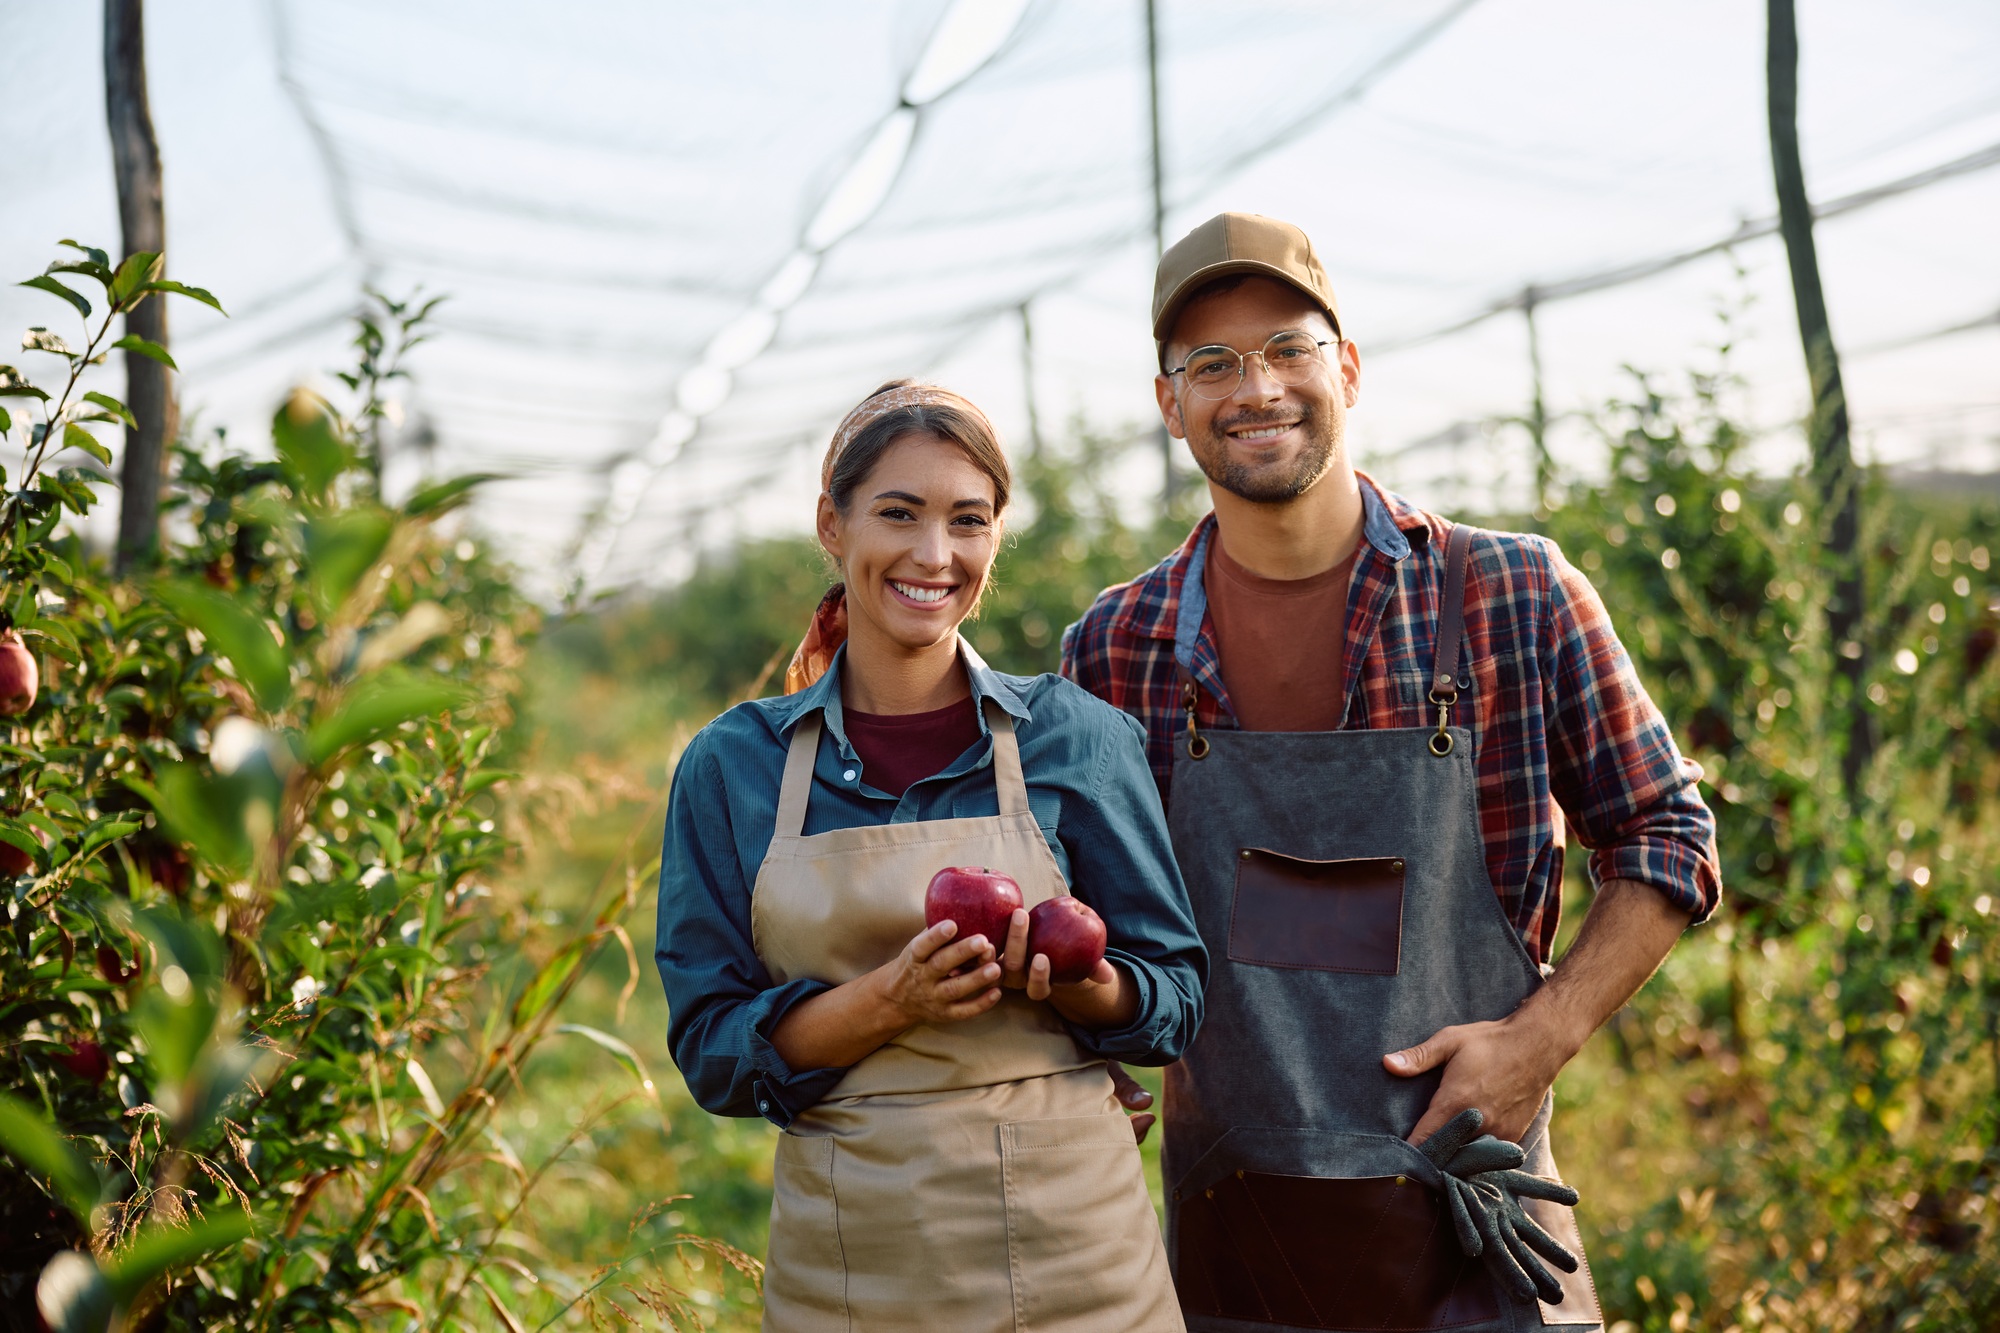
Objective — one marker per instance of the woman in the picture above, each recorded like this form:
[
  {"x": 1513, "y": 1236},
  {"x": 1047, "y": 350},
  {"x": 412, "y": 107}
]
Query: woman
[{"x": 952, "y": 1155}]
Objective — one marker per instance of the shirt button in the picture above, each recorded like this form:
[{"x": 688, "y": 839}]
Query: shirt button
[
  {"x": 763, "y": 1108},
  {"x": 848, "y": 776}
]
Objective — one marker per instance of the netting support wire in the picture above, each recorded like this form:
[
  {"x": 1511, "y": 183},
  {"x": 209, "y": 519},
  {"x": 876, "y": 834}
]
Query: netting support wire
[
  {"x": 1168, "y": 479},
  {"x": 1639, "y": 270},
  {"x": 340, "y": 187},
  {"x": 1538, "y": 416},
  {"x": 1028, "y": 381}
]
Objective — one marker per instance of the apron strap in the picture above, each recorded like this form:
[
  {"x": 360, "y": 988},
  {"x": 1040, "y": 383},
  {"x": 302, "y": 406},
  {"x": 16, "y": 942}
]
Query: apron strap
[
  {"x": 796, "y": 789},
  {"x": 1451, "y": 621},
  {"x": 1007, "y": 779}
]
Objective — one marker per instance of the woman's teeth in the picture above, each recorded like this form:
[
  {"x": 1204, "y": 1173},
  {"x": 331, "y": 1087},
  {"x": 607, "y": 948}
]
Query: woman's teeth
[{"x": 917, "y": 594}]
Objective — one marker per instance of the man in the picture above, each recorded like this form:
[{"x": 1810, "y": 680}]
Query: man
[{"x": 1372, "y": 727}]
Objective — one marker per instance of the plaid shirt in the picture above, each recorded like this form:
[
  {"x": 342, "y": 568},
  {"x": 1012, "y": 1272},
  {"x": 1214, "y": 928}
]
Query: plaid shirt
[{"x": 1562, "y": 729}]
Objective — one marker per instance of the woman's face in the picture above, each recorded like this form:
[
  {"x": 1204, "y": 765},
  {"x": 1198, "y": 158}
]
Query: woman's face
[{"x": 916, "y": 543}]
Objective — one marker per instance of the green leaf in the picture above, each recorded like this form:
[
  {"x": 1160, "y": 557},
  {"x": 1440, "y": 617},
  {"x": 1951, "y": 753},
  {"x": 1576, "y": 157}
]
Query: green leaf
[
  {"x": 378, "y": 705},
  {"x": 37, "y": 1145},
  {"x": 6, "y": 421},
  {"x": 341, "y": 547},
  {"x": 549, "y": 981},
  {"x": 447, "y": 495},
  {"x": 113, "y": 406},
  {"x": 12, "y": 385},
  {"x": 133, "y": 275},
  {"x": 235, "y": 634},
  {"x": 623, "y": 1051},
  {"x": 132, "y": 342},
  {"x": 39, "y": 339},
  {"x": 176, "y": 1010},
  {"x": 178, "y": 289},
  {"x": 313, "y": 454},
  {"x": 102, "y": 834},
  {"x": 487, "y": 777},
  {"x": 76, "y": 437},
  {"x": 97, "y": 256},
  {"x": 95, "y": 271},
  {"x": 44, "y": 282},
  {"x": 164, "y": 1247}
]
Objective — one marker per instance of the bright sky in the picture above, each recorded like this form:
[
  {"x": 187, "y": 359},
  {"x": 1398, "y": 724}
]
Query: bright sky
[{"x": 681, "y": 239}]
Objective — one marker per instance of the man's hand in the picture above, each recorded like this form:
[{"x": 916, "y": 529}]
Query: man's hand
[
  {"x": 1506, "y": 1068},
  {"x": 1503, "y": 1070},
  {"x": 1134, "y": 1098}
]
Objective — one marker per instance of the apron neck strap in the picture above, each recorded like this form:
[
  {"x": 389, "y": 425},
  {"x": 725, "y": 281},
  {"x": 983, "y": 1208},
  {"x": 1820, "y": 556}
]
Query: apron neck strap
[
  {"x": 1012, "y": 787},
  {"x": 796, "y": 789},
  {"x": 1451, "y": 620}
]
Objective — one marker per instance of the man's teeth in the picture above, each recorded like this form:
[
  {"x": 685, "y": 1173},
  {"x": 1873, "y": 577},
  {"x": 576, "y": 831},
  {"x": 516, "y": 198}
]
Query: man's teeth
[
  {"x": 1261, "y": 433},
  {"x": 920, "y": 594}
]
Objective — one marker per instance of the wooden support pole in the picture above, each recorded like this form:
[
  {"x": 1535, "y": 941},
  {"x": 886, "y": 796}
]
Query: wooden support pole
[
  {"x": 1028, "y": 381},
  {"x": 149, "y": 390},
  {"x": 1170, "y": 480},
  {"x": 1538, "y": 415},
  {"x": 1833, "y": 467}
]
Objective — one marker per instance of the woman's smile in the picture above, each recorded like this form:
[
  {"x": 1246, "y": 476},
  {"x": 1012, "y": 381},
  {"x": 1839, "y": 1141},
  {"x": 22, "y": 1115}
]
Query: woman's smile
[{"x": 922, "y": 594}]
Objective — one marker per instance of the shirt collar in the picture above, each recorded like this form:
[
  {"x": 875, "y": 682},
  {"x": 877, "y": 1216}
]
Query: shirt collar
[
  {"x": 1386, "y": 519},
  {"x": 824, "y": 694}
]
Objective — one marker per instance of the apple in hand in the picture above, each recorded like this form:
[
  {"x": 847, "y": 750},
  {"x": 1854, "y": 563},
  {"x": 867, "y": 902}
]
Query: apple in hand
[
  {"x": 981, "y": 901},
  {"x": 1070, "y": 934}
]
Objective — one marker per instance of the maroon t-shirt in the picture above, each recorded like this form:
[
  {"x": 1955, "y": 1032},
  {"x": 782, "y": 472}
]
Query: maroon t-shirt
[
  {"x": 898, "y": 749},
  {"x": 1280, "y": 641}
]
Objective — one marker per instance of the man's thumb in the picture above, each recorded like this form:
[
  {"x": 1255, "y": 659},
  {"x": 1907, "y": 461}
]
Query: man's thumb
[{"x": 1424, "y": 1055}]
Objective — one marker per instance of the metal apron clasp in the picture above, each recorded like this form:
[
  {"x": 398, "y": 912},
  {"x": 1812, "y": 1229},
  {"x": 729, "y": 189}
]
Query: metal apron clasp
[
  {"x": 1441, "y": 740},
  {"x": 1197, "y": 744}
]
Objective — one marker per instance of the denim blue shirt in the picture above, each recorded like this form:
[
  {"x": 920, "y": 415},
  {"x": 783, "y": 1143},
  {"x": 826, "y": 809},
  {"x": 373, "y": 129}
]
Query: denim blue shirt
[{"x": 1089, "y": 789}]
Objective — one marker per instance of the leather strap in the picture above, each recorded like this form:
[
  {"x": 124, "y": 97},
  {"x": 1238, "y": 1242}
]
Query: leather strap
[
  {"x": 796, "y": 789},
  {"x": 1451, "y": 621}
]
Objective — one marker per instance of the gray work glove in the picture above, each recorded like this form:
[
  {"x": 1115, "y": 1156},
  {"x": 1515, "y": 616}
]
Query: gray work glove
[{"x": 1484, "y": 1186}]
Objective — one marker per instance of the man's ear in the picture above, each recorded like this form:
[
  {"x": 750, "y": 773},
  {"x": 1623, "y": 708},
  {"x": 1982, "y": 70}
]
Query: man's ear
[
  {"x": 1170, "y": 406},
  {"x": 1350, "y": 372},
  {"x": 827, "y": 526}
]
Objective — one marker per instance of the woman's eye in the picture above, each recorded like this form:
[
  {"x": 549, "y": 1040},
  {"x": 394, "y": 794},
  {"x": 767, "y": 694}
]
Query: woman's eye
[
  {"x": 970, "y": 520},
  {"x": 897, "y": 512}
]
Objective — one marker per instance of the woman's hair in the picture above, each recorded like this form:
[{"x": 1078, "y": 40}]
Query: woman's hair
[{"x": 906, "y": 407}]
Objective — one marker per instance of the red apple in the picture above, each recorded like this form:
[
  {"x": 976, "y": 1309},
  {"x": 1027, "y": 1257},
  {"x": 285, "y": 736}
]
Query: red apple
[
  {"x": 20, "y": 678},
  {"x": 14, "y": 861},
  {"x": 981, "y": 901},
  {"x": 87, "y": 1060},
  {"x": 1070, "y": 934}
]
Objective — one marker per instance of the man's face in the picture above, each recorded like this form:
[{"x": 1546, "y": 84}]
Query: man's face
[{"x": 1267, "y": 442}]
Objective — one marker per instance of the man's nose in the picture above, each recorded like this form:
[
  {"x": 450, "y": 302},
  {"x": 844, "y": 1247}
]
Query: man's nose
[{"x": 1258, "y": 385}]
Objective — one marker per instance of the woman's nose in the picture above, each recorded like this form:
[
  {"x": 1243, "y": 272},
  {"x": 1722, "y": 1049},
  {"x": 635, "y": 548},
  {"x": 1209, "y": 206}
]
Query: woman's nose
[{"x": 933, "y": 547}]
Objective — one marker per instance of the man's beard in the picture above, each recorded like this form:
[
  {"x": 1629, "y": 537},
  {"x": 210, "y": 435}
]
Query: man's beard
[{"x": 1269, "y": 483}]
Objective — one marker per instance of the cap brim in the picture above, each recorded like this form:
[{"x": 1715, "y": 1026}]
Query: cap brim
[{"x": 1226, "y": 268}]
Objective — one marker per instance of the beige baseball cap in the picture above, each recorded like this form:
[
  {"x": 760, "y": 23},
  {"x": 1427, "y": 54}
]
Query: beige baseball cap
[{"x": 1231, "y": 243}]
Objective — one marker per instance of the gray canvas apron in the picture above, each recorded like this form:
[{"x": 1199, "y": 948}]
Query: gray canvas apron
[{"x": 1339, "y": 881}]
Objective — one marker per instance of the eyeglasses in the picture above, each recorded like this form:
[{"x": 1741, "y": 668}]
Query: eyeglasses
[{"x": 1290, "y": 358}]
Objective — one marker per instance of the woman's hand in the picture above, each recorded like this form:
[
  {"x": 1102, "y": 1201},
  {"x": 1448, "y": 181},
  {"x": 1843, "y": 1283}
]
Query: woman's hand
[{"x": 938, "y": 980}]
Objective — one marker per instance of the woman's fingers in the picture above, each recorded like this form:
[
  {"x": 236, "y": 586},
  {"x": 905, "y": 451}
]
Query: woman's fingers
[
  {"x": 929, "y": 941},
  {"x": 1014, "y": 955},
  {"x": 955, "y": 956},
  {"x": 976, "y": 979},
  {"x": 1038, "y": 977},
  {"x": 973, "y": 1007}
]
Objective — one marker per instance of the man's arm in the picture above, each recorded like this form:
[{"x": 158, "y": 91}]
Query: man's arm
[{"x": 1506, "y": 1068}]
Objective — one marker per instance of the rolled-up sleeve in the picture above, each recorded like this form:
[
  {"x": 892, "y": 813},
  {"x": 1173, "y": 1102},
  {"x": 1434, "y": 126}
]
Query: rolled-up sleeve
[
  {"x": 1614, "y": 767},
  {"x": 1122, "y": 864},
  {"x": 722, "y": 1004}
]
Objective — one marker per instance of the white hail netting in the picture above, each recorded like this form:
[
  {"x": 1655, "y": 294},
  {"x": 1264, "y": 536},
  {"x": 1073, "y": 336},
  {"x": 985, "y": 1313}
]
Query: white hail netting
[{"x": 680, "y": 240}]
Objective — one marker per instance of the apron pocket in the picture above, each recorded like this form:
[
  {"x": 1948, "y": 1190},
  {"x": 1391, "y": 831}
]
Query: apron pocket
[
  {"x": 1330, "y": 916},
  {"x": 805, "y": 1273},
  {"x": 1374, "y": 1252},
  {"x": 1083, "y": 1245}
]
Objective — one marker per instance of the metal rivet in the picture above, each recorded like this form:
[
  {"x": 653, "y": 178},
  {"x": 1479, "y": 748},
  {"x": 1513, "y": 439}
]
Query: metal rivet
[
  {"x": 1246, "y": 853},
  {"x": 1396, "y": 866},
  {"x": 1177, "y": 1196},
  {"x": 1402, "y": 1180},
  {"x": 1208, "y": 1194},
  {"x": 1239, "y": 1175}
]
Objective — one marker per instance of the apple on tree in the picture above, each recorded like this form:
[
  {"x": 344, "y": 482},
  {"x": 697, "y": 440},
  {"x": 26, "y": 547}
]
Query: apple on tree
[{"x": 20, "y": 678}]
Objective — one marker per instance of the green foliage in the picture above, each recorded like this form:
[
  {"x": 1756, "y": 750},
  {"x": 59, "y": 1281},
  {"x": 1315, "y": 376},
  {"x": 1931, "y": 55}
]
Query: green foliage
[
  {"x": 1822, "y": 1062},
  {"x": 259, "y": 999}
]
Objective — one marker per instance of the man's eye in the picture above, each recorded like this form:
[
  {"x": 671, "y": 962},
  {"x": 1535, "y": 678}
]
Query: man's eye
[{"x": 1209, "y": 368}]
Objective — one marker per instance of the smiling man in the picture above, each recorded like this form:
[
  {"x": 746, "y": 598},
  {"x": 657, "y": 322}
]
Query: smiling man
[{"x": 1373, "y": 727}]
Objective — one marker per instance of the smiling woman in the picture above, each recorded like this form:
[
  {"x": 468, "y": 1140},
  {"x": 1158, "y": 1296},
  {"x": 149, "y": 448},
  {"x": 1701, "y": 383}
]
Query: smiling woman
[{"x": 953, "y": 1153}]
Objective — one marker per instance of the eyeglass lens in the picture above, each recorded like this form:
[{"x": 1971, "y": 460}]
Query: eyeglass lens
[{"x": 1289, "y": 358}]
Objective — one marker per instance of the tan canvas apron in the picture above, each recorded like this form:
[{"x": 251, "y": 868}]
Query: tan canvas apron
[{"x": 971, "y": 1176}]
